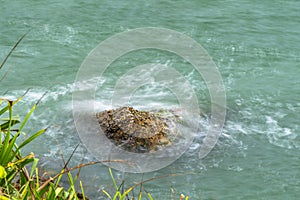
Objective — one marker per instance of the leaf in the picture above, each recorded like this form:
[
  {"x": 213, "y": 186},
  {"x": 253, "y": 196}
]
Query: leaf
[
  {"x": 113, "y": 179},
  {"x": 3, "y": 198},
  {"x": 118, "y": 194},
  {"x": 127, "y": 192},
  {"x": 58, "y": 191},
  {"x": 13, "y": 118},
  {"x": 12, "y": 49},
  {"x": 27, "y": 118},
  {"x": 23, "y": 161},
  {"x": 149, "y": 195},
  {"x": 34, "y": 167},
  {"x": 3, "y": 110},
  {"x": 106, "y": 193},
  {"x": 82, "y": 190},
  {"x": 3, "y": 173},
  {"x": 5, "y": 125},
  {"x": 7, "y": 144},
  {"x": 31, "y": 138}
]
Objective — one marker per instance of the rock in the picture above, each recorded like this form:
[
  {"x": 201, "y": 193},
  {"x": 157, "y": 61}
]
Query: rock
[{"x": 133, "y": 130}]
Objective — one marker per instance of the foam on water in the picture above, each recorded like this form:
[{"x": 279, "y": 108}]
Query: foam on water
[{"x": 264, "y": 124}]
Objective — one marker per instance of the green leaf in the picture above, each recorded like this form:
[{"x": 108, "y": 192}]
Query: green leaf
[
  {"x": 149, "y": 195},
  {"x": 82, "y": 190},
  {"x": 12, "y": 49},
  {"x": 59, "y": 178},
  {"x": 127, "y": 192},
  {"x": 113, "y": 179},
  {"x": 31, "y": 138},
  {"x": 10, "y": 103},
  {"x": 3, "y": 198},
  {"x": 33, "y": 167},
  {"x": 3, "y": 172},
  {"x": 27, "y": 118},
  {"x": 58, "y": 191},
  {"x": 5, "y": 125},
  {"x": 3, "y": 110},
  {"x": 8, "y": 143},
  {"x": 9, "y": 154},
  {"x": 22, "y": 162},
  {"x": 118, "y": 194},
  {"x": 140, "y": 196},
  {"x": 106, "y": 193},
  {"x": 51, "y": 192}
]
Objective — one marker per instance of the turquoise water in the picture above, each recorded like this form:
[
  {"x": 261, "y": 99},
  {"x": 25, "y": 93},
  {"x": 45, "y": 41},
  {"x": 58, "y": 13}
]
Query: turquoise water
[{"x": 255, "y": 45}]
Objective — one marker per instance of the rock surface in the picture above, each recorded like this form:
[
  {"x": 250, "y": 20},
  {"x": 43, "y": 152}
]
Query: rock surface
[{"x": 133, "y": 130}]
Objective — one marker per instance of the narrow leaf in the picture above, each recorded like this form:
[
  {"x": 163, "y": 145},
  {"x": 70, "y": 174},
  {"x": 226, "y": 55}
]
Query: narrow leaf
[
  {"x": 31, "y": 138},
  {"x": 12, "y": 49},
  {"x": 82, "y": 190},
  {"x": 106, "y": 193},
  {"x": 113, "y": 179}
]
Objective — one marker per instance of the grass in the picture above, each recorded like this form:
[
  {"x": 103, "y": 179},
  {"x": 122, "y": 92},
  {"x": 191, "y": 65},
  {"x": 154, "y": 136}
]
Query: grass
[
  {"x": 20, "y": 177},
  {"x": 16, "y": 181}
]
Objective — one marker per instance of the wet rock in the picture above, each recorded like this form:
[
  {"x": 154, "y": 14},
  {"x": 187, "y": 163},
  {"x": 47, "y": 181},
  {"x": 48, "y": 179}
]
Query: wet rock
[{"x": 133, "y": 130}]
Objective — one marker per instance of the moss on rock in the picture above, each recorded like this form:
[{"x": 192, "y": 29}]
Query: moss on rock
[{"x": 133, "y": 130}]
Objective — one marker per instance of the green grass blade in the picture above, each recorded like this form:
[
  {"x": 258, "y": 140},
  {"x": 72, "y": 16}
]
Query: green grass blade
[
  {"x": 7, "y": 144},
  {"x": 4, "y": 198},
  {"x": 127, "y": 192},
  {"x": 33, "y": 167},
  {"x": 36, "y": 195},
  {"x": 149, "y": 195},
  {"x": 106, "y": 193},
  {"x": 59, "y": 178},
  {"x": 113, "y": 179},
  {"x": 10, "y": 154},
  {"x": 16, "y": 118},
  {"x": 31, "y": 138},
  {"x": 58, "y": 191},
  {"x": 5, "y": 125},
  {"x": 82, "y": 190},
  {"x": 3, "y": 172},
  {"x": 3, "y": 110},
  {"x": 27, "y": 118},
  {"x": 140, "y": 196},
  {"x": 51, "y": 192},
  {"x": 72, "y": 190},
  {"x": 12, "y": 49},
  {"x": 37, "y": 184},
  {"x": 71, "y": 180},
  {"x": 44, "y": 188},
  {"x": 118, "y": 194},
  {"x": 10, "y": 115},
  {"x": 25, "y": 190}
]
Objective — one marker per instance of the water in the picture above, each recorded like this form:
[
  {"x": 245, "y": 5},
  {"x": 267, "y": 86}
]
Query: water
[{"x": 255, "y": 45}]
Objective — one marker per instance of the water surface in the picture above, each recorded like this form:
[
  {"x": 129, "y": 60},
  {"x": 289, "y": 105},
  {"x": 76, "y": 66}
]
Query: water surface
[{"x": 255, "y": 45}]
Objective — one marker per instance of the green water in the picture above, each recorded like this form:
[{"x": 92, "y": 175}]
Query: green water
[{"x": 255, "y": 45}]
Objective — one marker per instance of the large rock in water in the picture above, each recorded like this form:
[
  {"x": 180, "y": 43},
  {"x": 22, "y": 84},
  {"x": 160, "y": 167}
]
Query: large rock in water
[{"x": 133, "y": 130}]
